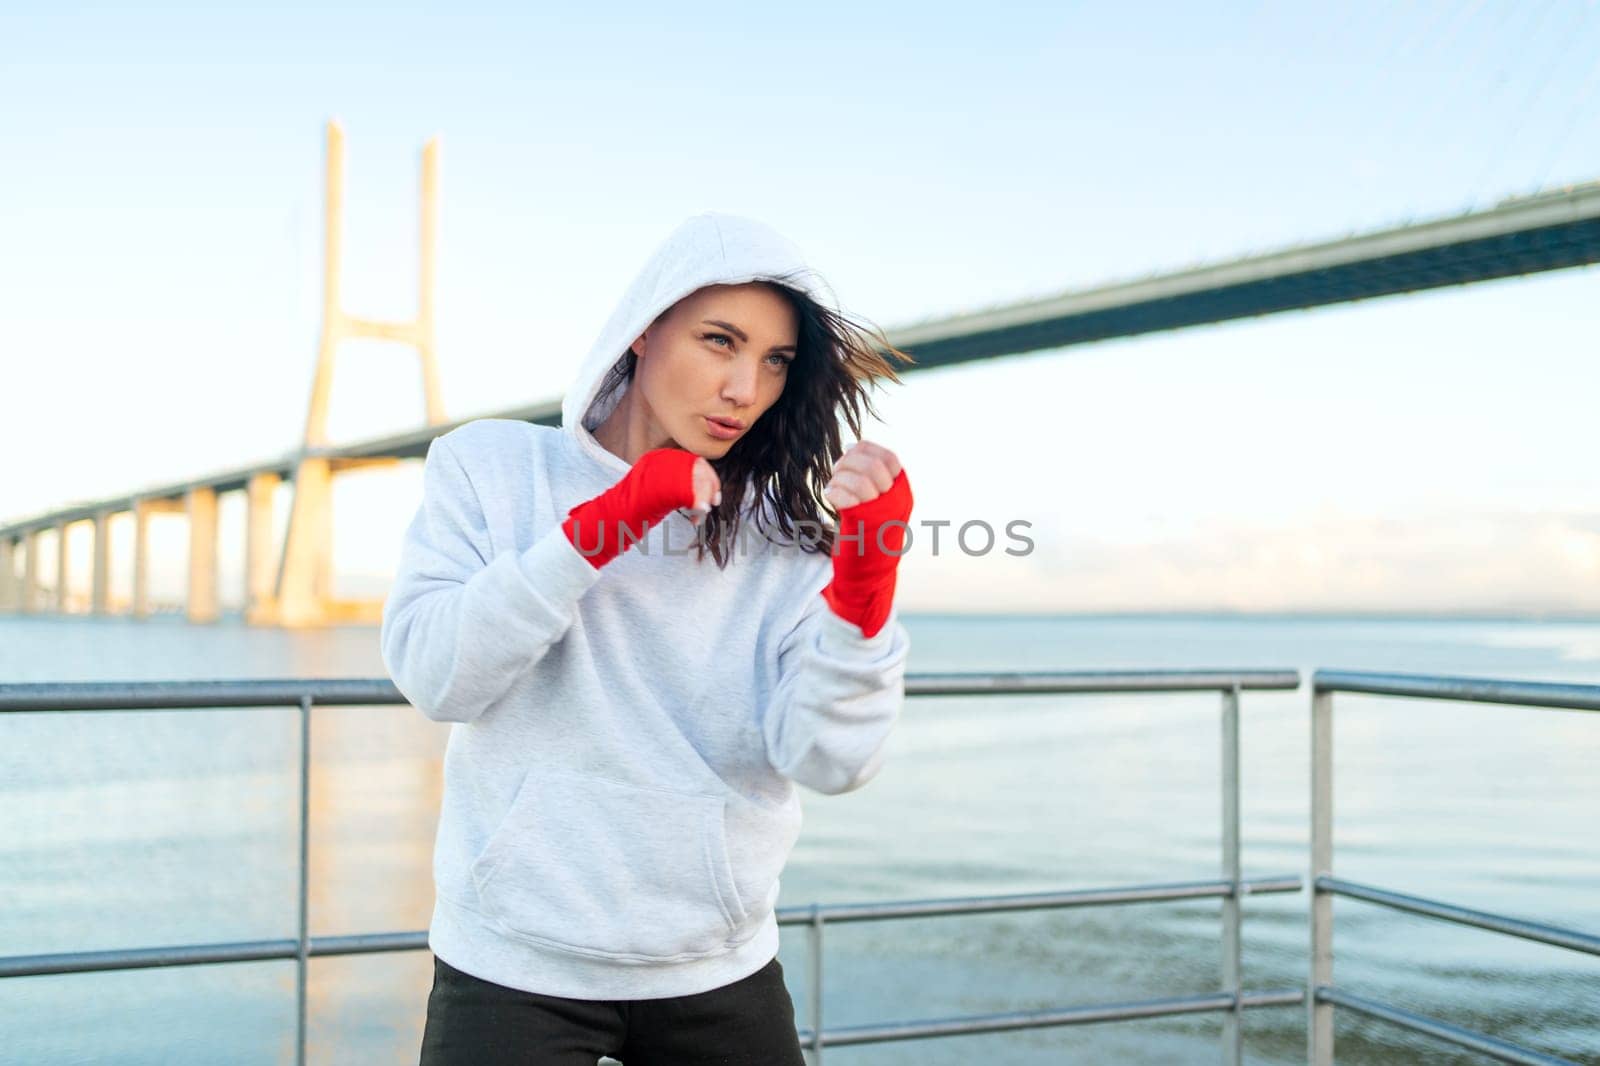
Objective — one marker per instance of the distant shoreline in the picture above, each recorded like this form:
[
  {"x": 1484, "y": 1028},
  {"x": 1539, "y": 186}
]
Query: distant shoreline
[{"x": 1294, "y": 615}]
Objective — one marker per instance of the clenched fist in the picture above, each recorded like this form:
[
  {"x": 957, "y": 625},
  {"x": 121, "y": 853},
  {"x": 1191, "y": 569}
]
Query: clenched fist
[
  {"x": 864, "y": 472},
  {"x": 661, "y": 481},
  {"x": 707, "y": 490},
  {"x": 870, "y": 490}
]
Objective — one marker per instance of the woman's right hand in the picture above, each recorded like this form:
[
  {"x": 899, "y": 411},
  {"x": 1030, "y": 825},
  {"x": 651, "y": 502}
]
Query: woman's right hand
[
  {"x": 661, "y": 481},
  {"x": 707, "y": 489}
]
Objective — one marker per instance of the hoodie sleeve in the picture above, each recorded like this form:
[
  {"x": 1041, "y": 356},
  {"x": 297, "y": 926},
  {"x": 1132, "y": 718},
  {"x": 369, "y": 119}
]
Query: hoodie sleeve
[
  {"x": 460, "y": 624},
  {"x": 837, "y": 697}
]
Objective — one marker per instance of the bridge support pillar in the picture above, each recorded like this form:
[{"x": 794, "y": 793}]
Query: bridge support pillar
[
  {"x": 10, "y": 600},
  {"x": 100, "y": 602},
  {"x": 305, "y": 586},
  {"x": 202, "y": 507},
  {"x": 63, "y": 567},
  {"x": 260, "y": 564},
  {"x": 30, "y": 572},
  {"x": 140, "y": 607}
]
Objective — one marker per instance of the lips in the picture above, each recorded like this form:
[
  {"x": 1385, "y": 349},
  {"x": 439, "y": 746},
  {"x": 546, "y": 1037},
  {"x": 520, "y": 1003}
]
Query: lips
[
  {"x": 721, "y": 430},
  {"x": 731, "y": 423}
]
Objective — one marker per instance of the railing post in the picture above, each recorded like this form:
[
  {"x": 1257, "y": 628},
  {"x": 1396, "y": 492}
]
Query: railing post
[
  {"x": 814, "y": 934},
  {"x": 304, "y": 950},
  {"x": 1319, "y": 1019},
  {"x": 1232, "y": 979}
]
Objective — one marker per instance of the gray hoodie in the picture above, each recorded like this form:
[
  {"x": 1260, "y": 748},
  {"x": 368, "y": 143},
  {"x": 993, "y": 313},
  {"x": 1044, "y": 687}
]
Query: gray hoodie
[{"x": 619, "y": 781}]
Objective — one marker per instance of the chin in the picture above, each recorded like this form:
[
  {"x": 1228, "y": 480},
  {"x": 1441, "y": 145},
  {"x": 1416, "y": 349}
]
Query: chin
[{"x": 702, "y": 452}]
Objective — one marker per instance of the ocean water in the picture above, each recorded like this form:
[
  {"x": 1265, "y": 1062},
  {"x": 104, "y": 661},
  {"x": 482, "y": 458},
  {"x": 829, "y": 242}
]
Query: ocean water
[{"x": 154, "y": 828}]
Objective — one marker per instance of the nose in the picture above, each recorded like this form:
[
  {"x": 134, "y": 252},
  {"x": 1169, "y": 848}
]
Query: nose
[{"x": 739, "y": 387}]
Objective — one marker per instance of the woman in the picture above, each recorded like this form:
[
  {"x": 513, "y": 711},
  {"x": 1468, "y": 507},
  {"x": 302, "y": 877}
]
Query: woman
[{"x": 637, "y": 681}]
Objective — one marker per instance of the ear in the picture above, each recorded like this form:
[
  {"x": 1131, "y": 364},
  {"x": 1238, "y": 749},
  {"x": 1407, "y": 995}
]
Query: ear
[{"x": 637, "y": 347}]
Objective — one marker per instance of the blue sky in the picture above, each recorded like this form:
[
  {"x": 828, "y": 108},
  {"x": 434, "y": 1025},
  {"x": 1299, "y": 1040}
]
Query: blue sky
[{"x": 160, "y": 213}]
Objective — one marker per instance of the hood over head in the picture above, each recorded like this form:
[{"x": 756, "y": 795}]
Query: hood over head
[{"x": 707, "y": 249}]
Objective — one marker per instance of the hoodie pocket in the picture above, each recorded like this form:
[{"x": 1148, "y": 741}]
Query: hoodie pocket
[{"x": 600, "y": 868}]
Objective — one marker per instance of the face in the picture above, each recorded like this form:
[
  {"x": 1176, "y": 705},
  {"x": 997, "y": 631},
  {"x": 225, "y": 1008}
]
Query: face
[{"x": 722, "y": 352}]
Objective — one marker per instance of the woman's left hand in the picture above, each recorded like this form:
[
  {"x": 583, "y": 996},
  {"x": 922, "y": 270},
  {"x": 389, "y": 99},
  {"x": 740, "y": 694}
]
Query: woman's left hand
[
  {"x": 873, "y": 496},
  {"x": 864, "y": 472}
]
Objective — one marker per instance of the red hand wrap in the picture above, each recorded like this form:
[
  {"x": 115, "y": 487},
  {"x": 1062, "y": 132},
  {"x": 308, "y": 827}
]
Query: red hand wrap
[
  {"x": 660, "y": 482},
  {"x": 866, "y": 555}
]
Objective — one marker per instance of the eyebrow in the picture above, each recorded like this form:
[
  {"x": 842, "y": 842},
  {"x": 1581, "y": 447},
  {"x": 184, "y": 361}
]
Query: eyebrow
[{"x": 731, "y": 328}]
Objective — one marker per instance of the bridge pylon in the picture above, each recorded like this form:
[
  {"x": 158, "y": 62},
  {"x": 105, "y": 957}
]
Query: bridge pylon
[{"x": 301, "y": 591}]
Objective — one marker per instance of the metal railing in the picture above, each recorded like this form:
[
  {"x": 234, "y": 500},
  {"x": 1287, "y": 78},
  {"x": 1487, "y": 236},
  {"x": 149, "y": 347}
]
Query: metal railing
[
  {"x": 1231, "y": 999},
  {"x": 1322, "y": 996}
]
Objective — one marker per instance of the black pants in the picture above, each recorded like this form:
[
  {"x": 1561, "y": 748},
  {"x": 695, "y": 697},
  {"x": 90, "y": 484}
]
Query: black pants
[{"x": 473, "y": 1022}]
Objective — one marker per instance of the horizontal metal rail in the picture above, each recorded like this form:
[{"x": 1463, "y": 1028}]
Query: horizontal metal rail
[
  {"x": 195, "y": 695},
  {"x": 203, "y": 954},
  {"x": 1088, "y": 897},
  {"x": 1084, "y": 681},
  {"x": 206, "y": 695},
  {"x": 1040, "y": 1019},
  {"x": 1453, "y": 1034},
  {"x": 1546, "y": 694},
  {"x": 1559, "y": 936},
  {"x": 1322, "y": 996}
]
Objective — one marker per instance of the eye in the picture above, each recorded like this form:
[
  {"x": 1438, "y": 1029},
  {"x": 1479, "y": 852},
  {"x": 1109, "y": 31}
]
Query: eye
[
  {"x": 720, "y": 337},
  {"x": 783, "y": 360}
]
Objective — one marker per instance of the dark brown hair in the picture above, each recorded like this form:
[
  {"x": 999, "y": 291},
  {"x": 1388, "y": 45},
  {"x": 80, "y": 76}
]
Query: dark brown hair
[{"x": 787, "y": 456}]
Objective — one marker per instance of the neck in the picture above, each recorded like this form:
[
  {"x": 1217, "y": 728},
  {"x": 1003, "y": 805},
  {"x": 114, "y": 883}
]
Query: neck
[{"x": 629, "y": 431}]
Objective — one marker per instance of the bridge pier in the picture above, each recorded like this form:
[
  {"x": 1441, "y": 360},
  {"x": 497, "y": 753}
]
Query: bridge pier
[
  {"x": 30, "y": 572},
  {"x": 306, "y": 584},
  {"x": 9, "y": 588},
  {"x": 62, "y": 567},
  {"x": 100, "y": 599},
  {"x": 140, "y": 607},
  {"x": 201, "y": 505},
  {"x": 260, "y": 567}
]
